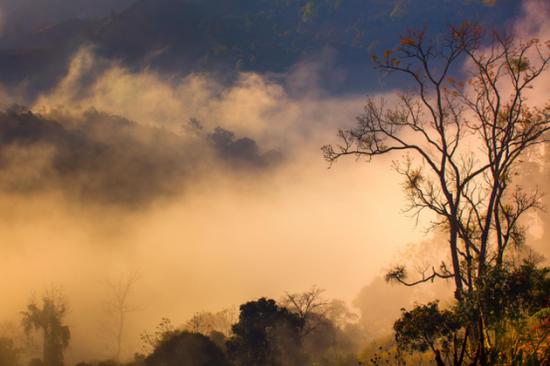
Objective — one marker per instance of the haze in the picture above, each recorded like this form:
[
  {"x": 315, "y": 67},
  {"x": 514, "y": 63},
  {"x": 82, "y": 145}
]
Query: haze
[{"x": 205, "y": 229}]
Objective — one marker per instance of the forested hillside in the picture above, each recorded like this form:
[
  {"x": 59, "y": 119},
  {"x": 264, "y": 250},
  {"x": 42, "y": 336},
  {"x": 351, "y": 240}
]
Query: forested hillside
[{"x": 185, "y": 36}]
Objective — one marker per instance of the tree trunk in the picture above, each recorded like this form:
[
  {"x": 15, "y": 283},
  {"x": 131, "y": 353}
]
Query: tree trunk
[{"x": 453, "y": 241}]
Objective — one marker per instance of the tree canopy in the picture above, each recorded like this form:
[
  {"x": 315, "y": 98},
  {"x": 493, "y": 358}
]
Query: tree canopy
[
  {"x": 186, "y": 348},
  {"x": 266, "y": 335},
  {"x": 49, "y": 319},
  {"x": 468, "y": 138},
  {"x": 463, "y": 135}
]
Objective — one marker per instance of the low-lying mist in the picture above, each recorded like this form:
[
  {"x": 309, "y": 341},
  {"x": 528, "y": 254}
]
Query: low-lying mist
[{"x": 214, "y": 194}]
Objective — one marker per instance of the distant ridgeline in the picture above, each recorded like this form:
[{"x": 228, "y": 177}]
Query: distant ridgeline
[
  {"x": 103, "y": 158},
  {"x": 249, "y": 35}
]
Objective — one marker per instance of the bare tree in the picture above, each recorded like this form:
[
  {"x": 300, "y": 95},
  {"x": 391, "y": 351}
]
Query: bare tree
[
  {"x": 223, "y": 320},
  {"x": 311, "y": 307},
  {"x": 199, "y": 323},
  {"x": 164, "y": 331},
  {"x": 470, "y": 191},
  {"x": 117, "y": 305},
  {"x": 205, "y": 322}
]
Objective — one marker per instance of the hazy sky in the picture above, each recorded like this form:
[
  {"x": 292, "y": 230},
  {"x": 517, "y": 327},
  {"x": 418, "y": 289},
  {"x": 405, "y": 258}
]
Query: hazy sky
[
  {"x": 220, "y": 236},
  {"x": 230, "y": 235}
]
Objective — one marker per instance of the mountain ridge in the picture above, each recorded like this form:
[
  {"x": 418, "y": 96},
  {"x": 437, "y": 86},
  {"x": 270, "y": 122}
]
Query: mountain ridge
[{"x": 225, "y": 37}]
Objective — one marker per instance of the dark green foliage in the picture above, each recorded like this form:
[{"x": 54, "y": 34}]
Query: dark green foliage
[
  {"x": 504, "y": 320},
  {"x": 426, "y": 327},
  {"x": 508, "y": 293},
  {"x": 189, "y": 349},
  {"x": 266, "y": 335}
]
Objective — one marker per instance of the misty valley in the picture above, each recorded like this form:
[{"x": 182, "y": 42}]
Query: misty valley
[{"x": 274, "y": 182}]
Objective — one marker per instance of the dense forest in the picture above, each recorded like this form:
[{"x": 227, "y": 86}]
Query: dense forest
[{"x": 226, "y": 37}]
